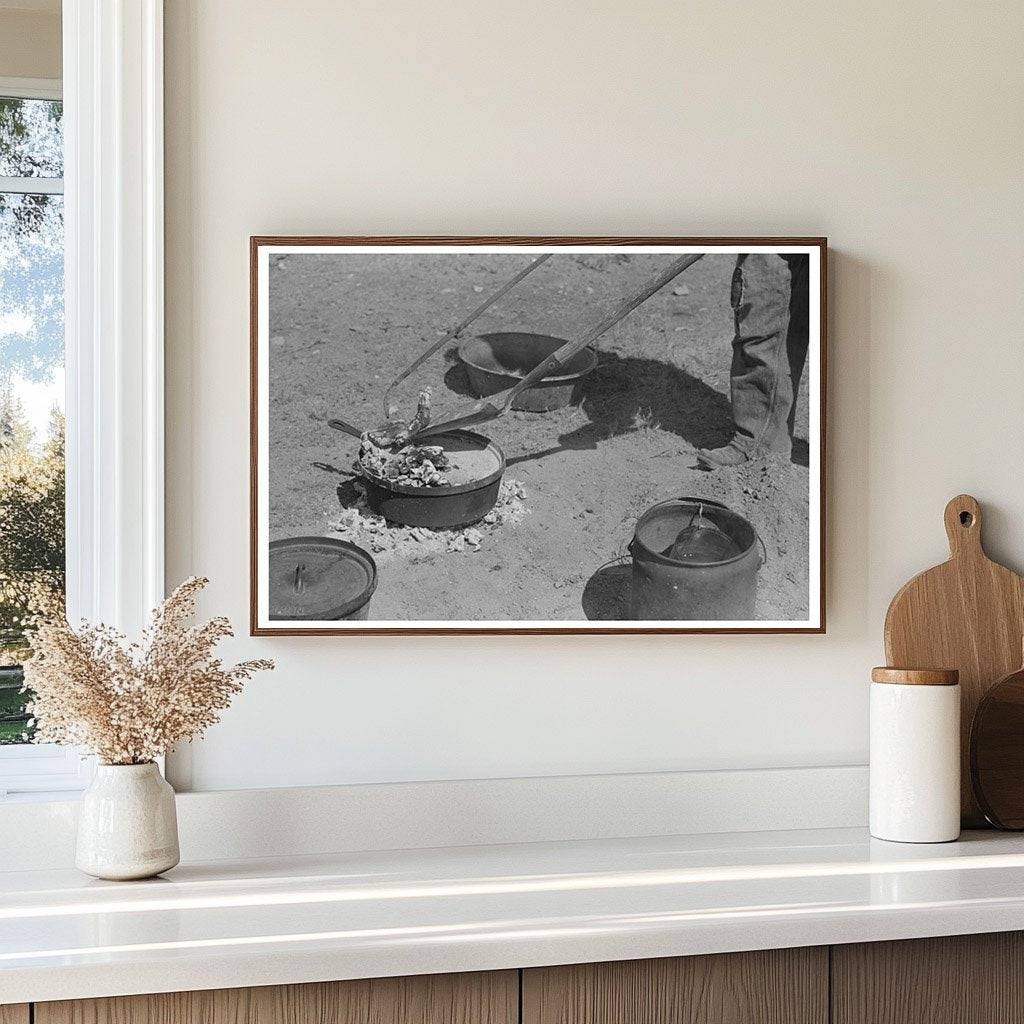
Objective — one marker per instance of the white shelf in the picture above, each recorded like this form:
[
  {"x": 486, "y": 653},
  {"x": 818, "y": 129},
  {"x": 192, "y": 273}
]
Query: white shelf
[{"x": 351, "y": 915}]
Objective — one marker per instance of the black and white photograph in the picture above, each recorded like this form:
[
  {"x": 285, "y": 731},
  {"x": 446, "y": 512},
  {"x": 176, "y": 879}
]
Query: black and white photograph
[{"x": 537, "y": 435}]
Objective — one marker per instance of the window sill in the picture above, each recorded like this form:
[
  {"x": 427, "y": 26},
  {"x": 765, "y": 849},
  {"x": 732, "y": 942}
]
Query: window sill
[{"x": 44, "y": 771}]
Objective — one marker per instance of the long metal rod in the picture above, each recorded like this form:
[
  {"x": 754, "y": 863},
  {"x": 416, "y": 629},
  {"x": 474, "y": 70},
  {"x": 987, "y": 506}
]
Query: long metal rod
[
  {"x": 561, "y": 356},
  {"x": 483, "y": 412},
  {"x": 454, "y": 332}
]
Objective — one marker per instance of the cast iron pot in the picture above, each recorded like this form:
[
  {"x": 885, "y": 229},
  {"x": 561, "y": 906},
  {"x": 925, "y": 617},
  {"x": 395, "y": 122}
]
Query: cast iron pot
[
  {"x": 499, "y": 361},
  {"x": 440, "y": 508},
  {"x": 665, "y": 588}
]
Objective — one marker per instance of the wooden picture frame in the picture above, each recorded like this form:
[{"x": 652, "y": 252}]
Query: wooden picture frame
[{"x": 281, "y": 248}]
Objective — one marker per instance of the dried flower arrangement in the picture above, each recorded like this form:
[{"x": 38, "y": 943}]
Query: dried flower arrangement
[{"x": 129, "y": 703}]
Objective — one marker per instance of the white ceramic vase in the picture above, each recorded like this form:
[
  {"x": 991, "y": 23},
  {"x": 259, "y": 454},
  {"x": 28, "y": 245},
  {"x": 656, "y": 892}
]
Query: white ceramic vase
[{"x": 127, "y": 825}]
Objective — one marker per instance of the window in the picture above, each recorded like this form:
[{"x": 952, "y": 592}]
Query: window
[
  {"x": 109, "y": 208},
  {"x": 32, "y": 514},
  {"x": 31, "y": 383}
]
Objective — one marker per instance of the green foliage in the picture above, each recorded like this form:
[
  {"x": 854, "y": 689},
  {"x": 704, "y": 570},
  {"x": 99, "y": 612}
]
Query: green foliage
[
  {"x": 31, "y": 347},
  {"x": 30, "y": 138},
  {"x": 30, "y": 147},
  {"x": 32, "y": 550},
  {"x": 14, "y": 722}
]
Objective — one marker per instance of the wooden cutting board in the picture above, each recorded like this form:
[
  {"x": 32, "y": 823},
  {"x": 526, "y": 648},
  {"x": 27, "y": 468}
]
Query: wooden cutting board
[{"x": 967, "y": 614}]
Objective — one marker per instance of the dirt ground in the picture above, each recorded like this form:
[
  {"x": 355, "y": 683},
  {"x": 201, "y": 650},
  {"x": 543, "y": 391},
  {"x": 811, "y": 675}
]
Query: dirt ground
[{"x": 342, "y": 327}]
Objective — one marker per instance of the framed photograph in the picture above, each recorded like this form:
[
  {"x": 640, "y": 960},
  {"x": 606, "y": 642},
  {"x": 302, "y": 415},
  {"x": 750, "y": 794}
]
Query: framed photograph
[{"x": 537, "y": 435}]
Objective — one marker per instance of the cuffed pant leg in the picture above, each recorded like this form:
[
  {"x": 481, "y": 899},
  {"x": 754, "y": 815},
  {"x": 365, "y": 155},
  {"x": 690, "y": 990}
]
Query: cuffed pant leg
[{"x": 761, "y": 380}]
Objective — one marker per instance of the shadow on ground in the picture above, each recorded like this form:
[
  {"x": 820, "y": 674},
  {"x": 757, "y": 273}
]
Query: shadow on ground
[
  {"x": 606, "y": 594},
  {"x": 627, "y": 393},
  {"x": 348, "y": 494}
]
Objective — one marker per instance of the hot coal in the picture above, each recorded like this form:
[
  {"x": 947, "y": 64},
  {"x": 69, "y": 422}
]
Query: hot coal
[{"x": 415, "y": 465}]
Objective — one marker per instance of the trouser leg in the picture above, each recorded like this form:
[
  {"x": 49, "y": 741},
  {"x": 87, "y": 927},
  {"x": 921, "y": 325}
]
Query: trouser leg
[
  {"x": 762, "y": 385},
  {"x": 799, "y": 334}
]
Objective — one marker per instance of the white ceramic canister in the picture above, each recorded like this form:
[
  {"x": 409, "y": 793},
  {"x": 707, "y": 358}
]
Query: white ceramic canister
[
  {"x": 915, "y": 755},
  {"x": 127, "y": 825}
]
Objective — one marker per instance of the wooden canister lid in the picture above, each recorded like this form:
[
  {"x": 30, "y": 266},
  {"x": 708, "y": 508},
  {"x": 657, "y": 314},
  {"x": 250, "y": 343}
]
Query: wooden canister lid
[{"x": 916, "y": 676}]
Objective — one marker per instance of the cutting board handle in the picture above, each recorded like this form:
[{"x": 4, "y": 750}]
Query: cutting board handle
[{"x": 963, "y": 526}]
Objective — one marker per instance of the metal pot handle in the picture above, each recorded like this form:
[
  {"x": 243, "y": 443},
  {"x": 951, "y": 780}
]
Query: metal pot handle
[
  {"x": 764, "y": 547},
  {"x": 695, "y": 500}
]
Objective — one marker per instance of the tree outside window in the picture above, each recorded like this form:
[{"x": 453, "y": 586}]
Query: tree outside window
[{"x": 31, "y": 387}]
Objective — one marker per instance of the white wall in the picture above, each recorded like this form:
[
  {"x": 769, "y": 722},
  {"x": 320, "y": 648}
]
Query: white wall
[
  {"x": 30, "y": 39},
  {"x": 895, "y": 129}
]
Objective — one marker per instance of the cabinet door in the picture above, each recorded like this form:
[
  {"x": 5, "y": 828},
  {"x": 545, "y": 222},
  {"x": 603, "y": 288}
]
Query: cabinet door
[
  {"x": 14, "y": 1013},
  {"x": 490, "y": 998},
  {"x": 778, "y": 986},
  {"x": 962, "y": 979}
]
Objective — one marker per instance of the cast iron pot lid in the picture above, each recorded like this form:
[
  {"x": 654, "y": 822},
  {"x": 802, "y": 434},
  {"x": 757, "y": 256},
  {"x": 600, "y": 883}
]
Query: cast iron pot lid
[{"x": 319, "y": 578}]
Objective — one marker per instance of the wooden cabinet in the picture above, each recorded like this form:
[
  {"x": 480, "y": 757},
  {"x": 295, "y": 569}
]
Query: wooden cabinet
[
  {"x": 777, "y": 986},
  {"x": 490, "y": 998},
  {"x": 971, "y": 979},
  {"x": 963, "y": 979}
]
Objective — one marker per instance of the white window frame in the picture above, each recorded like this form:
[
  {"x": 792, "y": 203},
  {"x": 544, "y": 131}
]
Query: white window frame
[
  {"x": 32, "y": 88},
  {"x": 114, "y": 324}
]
